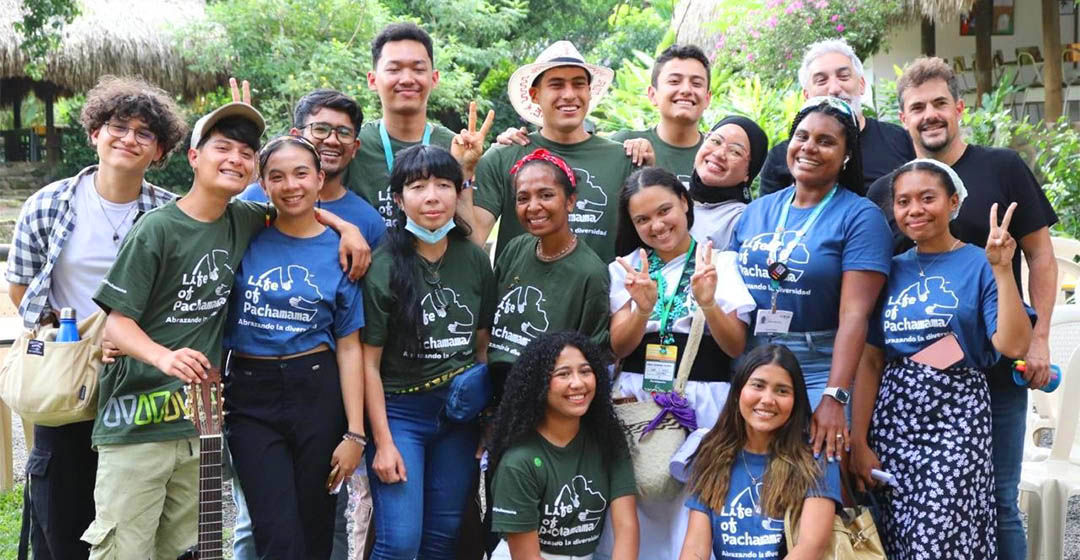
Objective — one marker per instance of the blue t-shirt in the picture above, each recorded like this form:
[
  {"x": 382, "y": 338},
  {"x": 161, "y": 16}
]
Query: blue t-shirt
[
  {"x": 957, "y": 295},
  {"x": 291, "y": 295},
  {"x": 739, "y": 531},
  {"x": 849, "y": 234},
  {"x": 350, "y": 208}
]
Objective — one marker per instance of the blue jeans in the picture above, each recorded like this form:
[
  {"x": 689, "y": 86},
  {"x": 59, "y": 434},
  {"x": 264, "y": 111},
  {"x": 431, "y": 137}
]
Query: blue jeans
[
  {"x": 1008, "y": 407},
  {"x": 420, "y": 517},
  {"x": 814, "y": 351}
]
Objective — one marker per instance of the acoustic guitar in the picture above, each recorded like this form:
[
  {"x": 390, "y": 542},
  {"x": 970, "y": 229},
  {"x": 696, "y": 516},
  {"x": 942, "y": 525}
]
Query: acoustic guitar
[{"x": 205, "y": 410}]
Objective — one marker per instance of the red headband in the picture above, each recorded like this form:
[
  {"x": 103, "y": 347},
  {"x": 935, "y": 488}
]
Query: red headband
[{"x": 544, "y": 155}]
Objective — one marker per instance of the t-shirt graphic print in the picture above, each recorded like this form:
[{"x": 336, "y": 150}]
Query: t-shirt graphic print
[{"x": 452, "y": 323}]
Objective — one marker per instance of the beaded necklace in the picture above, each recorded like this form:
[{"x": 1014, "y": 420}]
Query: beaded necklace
[{"x": 670, "y": 306}]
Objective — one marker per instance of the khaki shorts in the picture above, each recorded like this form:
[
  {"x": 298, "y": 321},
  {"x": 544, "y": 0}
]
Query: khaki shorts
[{"x": 146, "y": 500}]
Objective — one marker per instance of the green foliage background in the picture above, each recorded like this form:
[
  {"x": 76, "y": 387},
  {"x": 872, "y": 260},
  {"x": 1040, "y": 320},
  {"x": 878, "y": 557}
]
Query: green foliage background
[{"x": 288, "y": 47}]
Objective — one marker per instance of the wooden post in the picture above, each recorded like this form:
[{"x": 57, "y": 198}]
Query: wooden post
[
  {"x": 7, "y": 458},
  {"x": 983, "y": 10},
  {"x": 1052, "y": 65},
  {"x": 929, "y": 37},
  {"x": 52, "y": 139}
]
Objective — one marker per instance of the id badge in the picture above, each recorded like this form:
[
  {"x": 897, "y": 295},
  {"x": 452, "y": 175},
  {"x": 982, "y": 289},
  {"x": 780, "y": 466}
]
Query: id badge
[
  {"x": 773, "y": 322},
  {"x": 659, "y": 368}
]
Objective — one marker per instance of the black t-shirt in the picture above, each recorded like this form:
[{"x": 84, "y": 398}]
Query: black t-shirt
[
  {"x": 885, "y": 147},
  {"x": 990, "y": 175}
]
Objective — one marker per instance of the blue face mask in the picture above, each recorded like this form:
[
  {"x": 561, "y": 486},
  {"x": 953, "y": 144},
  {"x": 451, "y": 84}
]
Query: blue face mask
[{"x": 426, "y": 235}]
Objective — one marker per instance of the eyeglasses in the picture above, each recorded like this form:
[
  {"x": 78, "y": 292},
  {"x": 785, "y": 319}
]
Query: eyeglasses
[
  {"x": 142, "y": 135},
  {"x": 835, "y": 103},
  {"x": 733, "y": 150},
  {"x": 321, "y": 131}
]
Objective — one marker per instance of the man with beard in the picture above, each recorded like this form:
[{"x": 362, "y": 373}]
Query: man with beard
[
  {"x": 930, "y": 108},
  {"x": 831, "y": 68}
]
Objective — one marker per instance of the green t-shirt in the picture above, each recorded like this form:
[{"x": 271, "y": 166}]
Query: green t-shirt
[
  {"x": 368, "y": 175},
  {"x": 537, "y": 297},
  {"x": 601, "y": 167},
  {"x": 459, "y": 304},
  {"x": 173, "y": 277},
  {"x": 679, "y": 161},
  {"x": 563, "y": 493}
]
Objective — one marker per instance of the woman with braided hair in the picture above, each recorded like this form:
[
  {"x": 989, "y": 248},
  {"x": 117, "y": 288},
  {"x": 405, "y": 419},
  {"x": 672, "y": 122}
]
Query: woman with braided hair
[{"x": 815, "y": 256}]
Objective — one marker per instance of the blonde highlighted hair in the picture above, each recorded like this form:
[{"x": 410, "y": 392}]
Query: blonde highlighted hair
[{"x": 791, "y": 471}]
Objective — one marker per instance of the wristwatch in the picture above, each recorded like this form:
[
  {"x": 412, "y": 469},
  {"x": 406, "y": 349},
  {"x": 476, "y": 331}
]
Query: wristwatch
[{"x": 841, "y": 395}]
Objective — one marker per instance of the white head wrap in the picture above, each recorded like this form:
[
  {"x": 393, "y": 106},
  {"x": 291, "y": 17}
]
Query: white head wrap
[{"x": 961, "y": 190}]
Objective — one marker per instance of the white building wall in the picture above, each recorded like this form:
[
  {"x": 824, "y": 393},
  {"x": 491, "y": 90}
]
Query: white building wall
[{"x": 905, "y": 42}]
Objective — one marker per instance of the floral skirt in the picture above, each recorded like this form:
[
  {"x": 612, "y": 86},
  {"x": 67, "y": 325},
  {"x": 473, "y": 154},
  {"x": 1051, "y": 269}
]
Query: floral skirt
[{"x": 931, "y": 429}]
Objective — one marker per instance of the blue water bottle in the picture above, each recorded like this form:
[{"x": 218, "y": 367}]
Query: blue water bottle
[
  {"x": 69, "y": 331},
  {"x": 1019, "y": 367}
]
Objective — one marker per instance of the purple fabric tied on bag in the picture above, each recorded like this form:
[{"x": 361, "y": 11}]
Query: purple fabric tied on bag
[{"x": 676, "y": 405}]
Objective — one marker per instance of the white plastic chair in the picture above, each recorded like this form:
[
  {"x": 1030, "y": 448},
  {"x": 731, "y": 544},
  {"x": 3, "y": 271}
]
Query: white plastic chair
[
  {"x": 1043, "y": 410},
  {"x": 1064, "y": 247},
  {"x": 1047, "y": 485}
]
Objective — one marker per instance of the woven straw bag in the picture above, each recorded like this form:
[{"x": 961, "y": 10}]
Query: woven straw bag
[{"x": 652, "y": 454}]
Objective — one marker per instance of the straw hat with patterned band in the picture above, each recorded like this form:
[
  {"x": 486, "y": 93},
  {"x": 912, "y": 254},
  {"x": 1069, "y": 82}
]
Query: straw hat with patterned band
[{"x": 561, "y": 53}]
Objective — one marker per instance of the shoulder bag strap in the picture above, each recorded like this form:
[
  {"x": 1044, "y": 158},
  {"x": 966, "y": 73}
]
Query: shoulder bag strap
[{"x": 697, "y": 328}]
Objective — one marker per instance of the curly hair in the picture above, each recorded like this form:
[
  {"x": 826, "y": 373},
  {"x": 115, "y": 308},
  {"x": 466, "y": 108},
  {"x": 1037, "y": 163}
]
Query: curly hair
[
  {"x": 126, "y": 98},
  {"x": 525, "y": 398},
  {"x": 851, "y": 176}
]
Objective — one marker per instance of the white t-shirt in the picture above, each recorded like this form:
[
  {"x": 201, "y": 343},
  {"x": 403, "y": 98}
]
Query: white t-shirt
[
  {"x": 90, "y": 250},
  {"x": 716, "y": 221},
  {"x": 731, "y": 292}
]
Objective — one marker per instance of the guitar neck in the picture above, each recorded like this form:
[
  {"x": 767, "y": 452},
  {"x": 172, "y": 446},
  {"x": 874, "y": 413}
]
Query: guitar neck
[{"x": 210, "y": 515}]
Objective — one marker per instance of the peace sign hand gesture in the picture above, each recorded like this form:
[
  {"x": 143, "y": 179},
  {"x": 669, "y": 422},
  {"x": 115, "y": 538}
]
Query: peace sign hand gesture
[
  {"x": 234, "y": 88},
  {"x": 1000, "y": 246},
  {"x": 643, "y": 290},
  {"x": 703, "y": 282},
  {"x": 468, "y": 145}
]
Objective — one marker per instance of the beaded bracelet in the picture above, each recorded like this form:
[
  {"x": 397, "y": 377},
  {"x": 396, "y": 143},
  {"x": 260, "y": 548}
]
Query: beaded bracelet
[{"x": 355, "y": 438}]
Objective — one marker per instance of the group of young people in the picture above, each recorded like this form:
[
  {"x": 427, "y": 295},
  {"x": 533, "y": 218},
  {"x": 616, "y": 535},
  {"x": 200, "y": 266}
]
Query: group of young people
[{"x": 338, "y": 276}]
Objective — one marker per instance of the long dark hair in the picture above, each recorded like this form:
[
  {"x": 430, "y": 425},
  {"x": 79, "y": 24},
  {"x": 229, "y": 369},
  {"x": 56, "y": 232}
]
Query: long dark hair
[
  {"x": 851, "y": 175},
  {"x": 524, "y": 401},
  {"x": 792, "y": 470},
  {"x": 411, "y": 164},
  {"x": 627, "y": 238}
]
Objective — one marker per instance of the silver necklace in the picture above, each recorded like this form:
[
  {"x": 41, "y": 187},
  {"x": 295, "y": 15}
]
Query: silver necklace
[
  {"x": 116, "y": 228},
  {"x": 918, "y": 260},
  {"x": 753, "y": 481},
  {"x": 431, "y": 278},
  {"x": 569, "y": 247}
]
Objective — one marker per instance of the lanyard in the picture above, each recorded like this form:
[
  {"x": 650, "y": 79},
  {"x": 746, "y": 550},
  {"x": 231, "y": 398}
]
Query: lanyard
[
  {"x": 667, "y": 301},
  {"x": 780, "y": 261},
  {"x": 389, "y": 153}
]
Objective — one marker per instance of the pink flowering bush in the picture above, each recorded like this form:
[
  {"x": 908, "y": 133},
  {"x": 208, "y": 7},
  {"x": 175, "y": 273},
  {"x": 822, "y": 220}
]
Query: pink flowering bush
[{"x": 768, "y": 40}]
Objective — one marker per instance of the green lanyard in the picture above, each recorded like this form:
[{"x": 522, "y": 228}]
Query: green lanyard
[
  {"x": 389, "y": 153},
  {"x": 780, "y": 261},
  {"x": 667, "y": 301}
]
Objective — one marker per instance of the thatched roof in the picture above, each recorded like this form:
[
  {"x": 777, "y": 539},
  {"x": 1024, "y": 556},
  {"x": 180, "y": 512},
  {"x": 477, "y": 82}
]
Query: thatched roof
[
  {"x": 938, "y": 11},
  {"x": 122, "y": 37}
]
